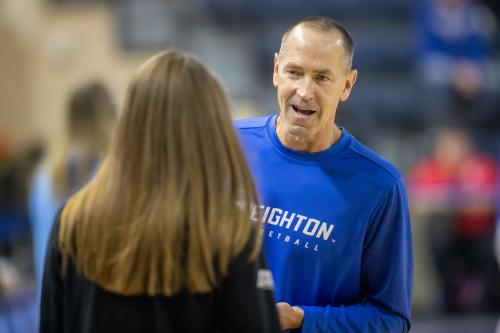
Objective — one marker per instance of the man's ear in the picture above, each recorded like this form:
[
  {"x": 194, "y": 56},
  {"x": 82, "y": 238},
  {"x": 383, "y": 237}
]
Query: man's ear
[
  {"x": 349, "y": 83},
  {"x": 276, "y": 70}
]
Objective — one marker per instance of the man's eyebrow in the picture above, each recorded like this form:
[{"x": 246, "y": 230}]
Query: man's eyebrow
[
  {"x": 292, "y": 65},
  {"x": 325, "y": 71}
]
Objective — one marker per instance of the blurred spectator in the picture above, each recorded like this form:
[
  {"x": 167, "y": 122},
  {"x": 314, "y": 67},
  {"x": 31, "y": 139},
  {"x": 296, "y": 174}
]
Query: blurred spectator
[
  {"x": 69, "y": 165},
  {"x": 16, "y": 306},
  {"x": 6, "y": 208},
  {"x": 17, "y": 309},
  {"x": 5, "y": 147},
  {"x": 453, "y": 38},
  {"x": 10, "y": 279},
  {"x": 15, "y": 168},
  {"x": 454, "y": 192}
]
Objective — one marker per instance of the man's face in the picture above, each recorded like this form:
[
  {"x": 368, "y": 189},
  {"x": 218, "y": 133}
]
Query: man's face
[{"x": 311, "y": 77}]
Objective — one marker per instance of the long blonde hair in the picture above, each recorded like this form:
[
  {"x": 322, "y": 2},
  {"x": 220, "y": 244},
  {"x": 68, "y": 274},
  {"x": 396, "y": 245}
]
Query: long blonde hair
[
  {"x": 162, "y": 214},
  {"x": 90, "y": 121}
]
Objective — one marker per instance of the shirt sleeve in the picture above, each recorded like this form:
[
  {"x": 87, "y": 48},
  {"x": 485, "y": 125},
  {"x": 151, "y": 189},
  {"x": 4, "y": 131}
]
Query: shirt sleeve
[
  {"x": 42, "y": 208},
  {"x": 387, "y": 276},
  {"x": 245, "y": 298},
  {"x": 51, "y": 310}
]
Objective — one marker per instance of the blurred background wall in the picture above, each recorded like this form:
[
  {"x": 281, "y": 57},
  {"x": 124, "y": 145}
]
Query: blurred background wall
[{"x": 46, "y": 50}]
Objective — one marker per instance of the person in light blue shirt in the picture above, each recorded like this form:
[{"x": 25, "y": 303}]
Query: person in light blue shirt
[
  {"x": 71, "y": 162},
  {"x": 337, "y": 230},
  {"x": 43, "y": 205}
]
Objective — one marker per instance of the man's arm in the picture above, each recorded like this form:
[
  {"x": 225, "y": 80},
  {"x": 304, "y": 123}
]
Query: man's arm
[{"x": 387, "y": 277}]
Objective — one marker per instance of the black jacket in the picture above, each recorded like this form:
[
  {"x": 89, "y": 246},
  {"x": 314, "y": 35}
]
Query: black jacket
[{"x": 71, "y": 303}]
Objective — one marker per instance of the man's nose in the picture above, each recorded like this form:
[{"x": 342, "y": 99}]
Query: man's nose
[{"x": 305, "y": 88}]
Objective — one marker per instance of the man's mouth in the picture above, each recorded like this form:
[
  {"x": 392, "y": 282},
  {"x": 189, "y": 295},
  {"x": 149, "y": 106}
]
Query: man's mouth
[{"x": 302, "y": 111}]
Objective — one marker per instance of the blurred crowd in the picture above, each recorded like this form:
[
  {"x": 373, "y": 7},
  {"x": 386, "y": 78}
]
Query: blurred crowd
[
  {"x": 454, "y": 198},
  {"x": 454, "y": 187},
  {"x": 452, "y": 171}
]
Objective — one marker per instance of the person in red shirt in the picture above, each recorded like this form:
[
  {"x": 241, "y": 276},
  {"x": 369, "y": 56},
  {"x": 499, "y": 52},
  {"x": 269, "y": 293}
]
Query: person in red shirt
[{"x": 454, "y": 190}]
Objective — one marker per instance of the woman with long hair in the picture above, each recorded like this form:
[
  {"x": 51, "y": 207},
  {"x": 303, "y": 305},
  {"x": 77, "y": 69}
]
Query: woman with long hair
[
  {"x": 161, "y": 240},
  {"x": 72, "y": 161}
]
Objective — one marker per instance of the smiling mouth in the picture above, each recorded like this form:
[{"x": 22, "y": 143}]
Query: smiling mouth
[{"x": 301, "y": 111}]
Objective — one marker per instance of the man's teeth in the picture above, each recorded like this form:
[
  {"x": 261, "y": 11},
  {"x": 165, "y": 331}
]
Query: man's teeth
[{"x": 303, "y": 111}]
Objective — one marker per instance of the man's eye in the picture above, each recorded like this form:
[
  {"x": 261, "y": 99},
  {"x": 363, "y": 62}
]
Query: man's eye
[
  {"x": 322, "y": 78},
  {"x": 293, "y": 72}
]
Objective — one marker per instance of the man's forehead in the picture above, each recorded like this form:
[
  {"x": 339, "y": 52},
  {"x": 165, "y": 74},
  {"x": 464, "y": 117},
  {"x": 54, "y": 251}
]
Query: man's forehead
[
  {"x": 312, "y": 48},
  {"x": 302, "y": 34},
  {"x": 308, "y": 54}
]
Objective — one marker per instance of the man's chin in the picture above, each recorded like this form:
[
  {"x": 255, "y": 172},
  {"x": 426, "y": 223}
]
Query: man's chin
[
  {"x": 299, "y": 130},
  {"x": 305, "y": 123}
]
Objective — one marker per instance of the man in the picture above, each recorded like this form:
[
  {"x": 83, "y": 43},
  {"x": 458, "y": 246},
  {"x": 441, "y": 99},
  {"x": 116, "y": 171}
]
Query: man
[{"x": 337, "y": 229}]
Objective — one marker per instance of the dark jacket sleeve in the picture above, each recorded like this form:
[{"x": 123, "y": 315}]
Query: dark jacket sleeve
[
  {"x": 245, "y": 298},
  {"x": 51, "y": 311}
]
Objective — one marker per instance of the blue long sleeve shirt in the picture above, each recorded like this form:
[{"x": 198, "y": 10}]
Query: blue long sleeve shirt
[{"x": 336, "y": 231}]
